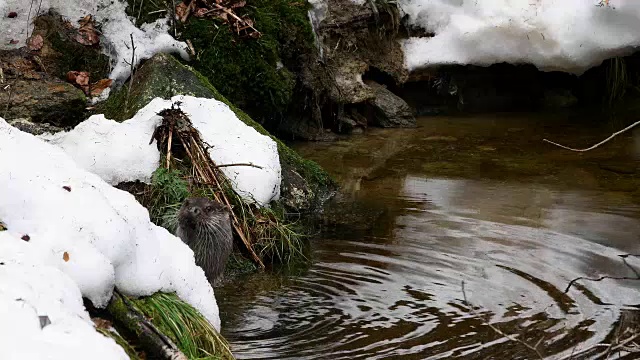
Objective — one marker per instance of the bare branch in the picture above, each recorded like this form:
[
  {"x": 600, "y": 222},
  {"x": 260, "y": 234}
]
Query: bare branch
[
  {"x": 624, "y": 260},
  {"x": 598, "y": 144},
  {"x": 239, "y": 164},
  {"x": 500, "y": 332}
]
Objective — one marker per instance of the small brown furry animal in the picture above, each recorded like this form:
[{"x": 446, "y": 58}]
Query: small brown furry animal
[{"x": 205, "y": 225}]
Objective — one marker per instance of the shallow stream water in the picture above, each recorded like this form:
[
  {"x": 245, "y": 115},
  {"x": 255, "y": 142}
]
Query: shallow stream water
[{"x": 479, "y": 200}]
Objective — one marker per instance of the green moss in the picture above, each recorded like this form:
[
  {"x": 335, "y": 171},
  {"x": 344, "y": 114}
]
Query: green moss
[
  {"x": 147, "y": 11},
  {"x": 245, "y": 70}
]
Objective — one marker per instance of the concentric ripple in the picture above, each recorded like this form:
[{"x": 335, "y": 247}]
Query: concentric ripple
[{"x": 396, "y": 292}]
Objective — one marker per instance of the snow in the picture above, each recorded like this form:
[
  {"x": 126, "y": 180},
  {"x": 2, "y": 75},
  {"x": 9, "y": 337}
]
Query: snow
[
  {"x": 30, "y": 289},
  {"x": 116, "y": 28},
  {"x": 120, "y": 152},
  {"x": 97, "y": 235},
  {"x": 564, "y": 35}
]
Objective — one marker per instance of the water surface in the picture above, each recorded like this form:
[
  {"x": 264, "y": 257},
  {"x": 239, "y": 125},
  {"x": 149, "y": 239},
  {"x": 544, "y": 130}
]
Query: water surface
[{"x": 474, "y": 200}]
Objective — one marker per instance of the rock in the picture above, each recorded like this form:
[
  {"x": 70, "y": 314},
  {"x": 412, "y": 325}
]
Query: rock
[
  {"x": 295, "y": 190},
  {"x": 163, "y": 76},
  {"x": 349, "y": 87},
  {"x": 346, "y": 124},
  {"x": 390, "y": 110},
  {"x": 30, "y": 127},
  {"x": 32, "y": 93}
]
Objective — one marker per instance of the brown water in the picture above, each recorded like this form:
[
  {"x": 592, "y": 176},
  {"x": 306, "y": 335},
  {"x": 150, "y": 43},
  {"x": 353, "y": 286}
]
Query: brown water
[{"x": 476, "y": 199}]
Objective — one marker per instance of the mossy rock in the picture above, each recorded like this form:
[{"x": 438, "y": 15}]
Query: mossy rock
[
  {"x": 258, "y": 75},
  {"x": 163, "y": 76}
]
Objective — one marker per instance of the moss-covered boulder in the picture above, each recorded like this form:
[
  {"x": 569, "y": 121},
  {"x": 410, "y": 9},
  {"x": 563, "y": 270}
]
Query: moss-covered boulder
[{"x": 304, "y": 182}]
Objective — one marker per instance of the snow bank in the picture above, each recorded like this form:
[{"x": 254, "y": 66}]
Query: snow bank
[
  {"x": 120, "y": 152},
  {"x": 565, "y": 35},
  {"x": 116, "y": 28},
  {"x": 30, "y": 290},
  {"x": 99, "y": 236}
]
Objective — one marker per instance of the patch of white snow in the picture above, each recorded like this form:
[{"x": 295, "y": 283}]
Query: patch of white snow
[
  {"x": 120, "y": 152},
  {"x": 97, "y": 235},
  {"x": 41, "y": 308},
  {"x": 116, "y": 29},
  {"x": 563, "y": 35}
]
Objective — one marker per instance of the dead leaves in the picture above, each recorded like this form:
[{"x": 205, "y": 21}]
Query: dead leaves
[
  {"x": 65, "y": 256},
  {"x": 87, "y": 33},
  {"x": 219, "y": 9},
  {"x": 35, "y": 42},
  {"x": 80, "y": 79}
]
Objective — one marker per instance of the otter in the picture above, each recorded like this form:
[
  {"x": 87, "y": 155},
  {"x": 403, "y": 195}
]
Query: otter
[{"x": 205, "y": 226}]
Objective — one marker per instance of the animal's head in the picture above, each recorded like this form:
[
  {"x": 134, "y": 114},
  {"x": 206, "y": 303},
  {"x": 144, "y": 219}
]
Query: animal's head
[{"x": 201, "y": 211}]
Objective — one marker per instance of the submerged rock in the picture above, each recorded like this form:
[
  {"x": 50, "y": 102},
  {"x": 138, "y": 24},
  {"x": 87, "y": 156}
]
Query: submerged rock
[{"x": 390, "y": 109}]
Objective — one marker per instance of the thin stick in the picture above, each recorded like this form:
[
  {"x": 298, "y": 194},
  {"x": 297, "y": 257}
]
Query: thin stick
[
  {"x": 239, "y": 164},
  {"x": 132, "y": 65},
  {"x": 598, "y": 144},
  {"x": 498, "y": 331},
  {"x": 169, "y": 145},
  {"x": 599, "y": 279}
]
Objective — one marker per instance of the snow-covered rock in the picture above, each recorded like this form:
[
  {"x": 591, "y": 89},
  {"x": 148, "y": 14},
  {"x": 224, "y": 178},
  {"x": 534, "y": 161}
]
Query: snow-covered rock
[
  {"x": 97, "y": 235},
  {"x": 120, "y": 152},
  {"x": 564, "y": 35},
  {"x": 41, "y": 308},
  {"x": 116, "y": 29}
]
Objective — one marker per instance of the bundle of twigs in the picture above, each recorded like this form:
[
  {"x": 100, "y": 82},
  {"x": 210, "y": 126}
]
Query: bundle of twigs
[{"x": 176, "y": 125}]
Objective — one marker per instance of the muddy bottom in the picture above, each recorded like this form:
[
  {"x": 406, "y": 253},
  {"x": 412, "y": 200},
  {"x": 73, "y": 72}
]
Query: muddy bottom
[{"x": 479, "y": 201}]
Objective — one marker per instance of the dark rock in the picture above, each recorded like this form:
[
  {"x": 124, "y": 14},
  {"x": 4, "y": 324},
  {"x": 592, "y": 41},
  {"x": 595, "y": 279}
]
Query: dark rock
[
  {"x": 295, "y": 190},
  {"x": 390, "y": 109},
  {"x": 34, "y": 128}
]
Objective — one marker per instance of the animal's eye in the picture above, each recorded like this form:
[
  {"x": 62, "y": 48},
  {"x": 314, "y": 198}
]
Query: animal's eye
[{"x": 209, "y": 208}]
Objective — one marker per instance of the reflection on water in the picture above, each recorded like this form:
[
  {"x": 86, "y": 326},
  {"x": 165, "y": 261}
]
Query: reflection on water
[{"x": 473, "y": 200}]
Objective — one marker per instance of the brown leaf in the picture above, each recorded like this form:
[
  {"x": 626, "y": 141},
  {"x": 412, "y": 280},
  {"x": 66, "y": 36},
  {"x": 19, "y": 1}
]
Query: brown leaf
[
  {"x": 35, "y": 42},
  {"x": 12, "y": 14},
  {"x": 68, "y": 188},
  {"x": 99, "y": 86},
  {"x": 87, "y": 34},
  {"x": 239, "y": 4},
  {"x": 182, "y": 12},
  {"x": 25, "y": 237},
  {"x": 65, "y": 256},
  {"x": 79, "y": 79}
]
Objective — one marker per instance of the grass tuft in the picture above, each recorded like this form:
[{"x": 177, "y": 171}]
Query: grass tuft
[{"x": 190, "y": 331}]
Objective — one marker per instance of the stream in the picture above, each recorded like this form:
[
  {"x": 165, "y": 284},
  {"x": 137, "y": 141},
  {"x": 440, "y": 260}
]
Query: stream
[{"x": 474, "y": 200}]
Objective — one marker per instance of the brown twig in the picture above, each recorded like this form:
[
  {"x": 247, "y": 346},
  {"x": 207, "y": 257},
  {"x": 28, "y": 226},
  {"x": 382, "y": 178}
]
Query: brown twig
[
  {"x": 239, "y": 164},
  {"x": 132, "y": 65},
  {"x": 500, "y": 332},
  {"x": 598, "y": 144}
]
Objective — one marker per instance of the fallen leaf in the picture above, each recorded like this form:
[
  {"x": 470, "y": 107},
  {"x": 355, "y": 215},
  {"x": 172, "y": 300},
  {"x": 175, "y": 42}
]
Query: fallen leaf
[
  {"x": 99, "y": 86},
  {"x": 35, "y": 42},
  {"x": 87, "y": 34},
  {"x": 68, "y": 188},
  {"x": 12, "y": 14},
  {"x": 101, "y": 323},
  {"x": 79, "y": 79},
  {"x": 25, "y": 237},
  {"x": 65, "y": 256}
]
